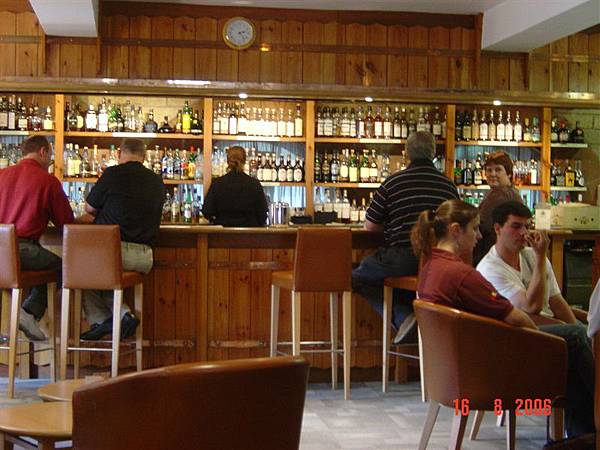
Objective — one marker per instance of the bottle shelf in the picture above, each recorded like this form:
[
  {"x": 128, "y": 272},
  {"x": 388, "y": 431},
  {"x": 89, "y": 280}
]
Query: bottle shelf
[
  {"x": 282, "y": 183},
  {"x": 93, "y": 180},
  {"x": 126, "y": 134},
  {"x": 348, "y": 140},
  {"x": 349, "y": 185},
  {"x": 569, "y": 145},
  {"x": 486, "y": 187},
  {"x": 499, "y": 143},
  {"x": 568, "y": 189},
  {"x": 176, "y": 182},
  {"x": 26, "y": 133},
  {"x": 242, "y": 137}
]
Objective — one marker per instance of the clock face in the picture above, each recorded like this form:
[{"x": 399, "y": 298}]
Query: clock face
[{"x": 239, "y": 33}]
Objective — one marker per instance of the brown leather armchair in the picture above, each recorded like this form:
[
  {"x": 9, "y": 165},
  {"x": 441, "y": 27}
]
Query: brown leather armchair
[
  {"x": 474, "y": 358},
  {"x": 253, "y": 404}
]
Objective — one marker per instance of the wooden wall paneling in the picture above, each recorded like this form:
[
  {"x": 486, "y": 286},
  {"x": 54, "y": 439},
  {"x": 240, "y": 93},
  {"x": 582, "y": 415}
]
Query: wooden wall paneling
[
  {"x": 285, "y": 310},
  {"x": 594, "y": 66},
  {"x": 270, "y": 62},
  {"x": 70, "y": 60},
  {"x": 165, "y": 305},
  {"x": 356, "y": 36},
  {"x": 467, "y": 72},
  {"x": 202, "y": 297},
  {"x": 439, "y": 39},
  {"x": 140, "y": 57},
  {"x": 311, "y": 61},
  {"x": 316, "y": 324},
  {"x": 484, "y": 71},
  {"x": 518, "y": 73},
  {"x": 206, "y": 59},
  {"x": 149, "y": 318},
  {"x": 376, "y": 65},
  {"x": 52, "y": 66},
  {"x": 397, "y": 75},
  {"x": 117, "y": 56},
  {"x": 184, "y": 29},
  {"x": 499, "y": 73},
  {"x": 7, "y": 51},
  {"x": 539, "y": 69},
  {"x": 218, "y": 304},
  {"x": 27, "y": 54},
  {"x": 366, "y": 326},
  {"x": 559, "y": 69},
  {"x": 418, "y": 37},
  {"x": 89, "y": 61},
  {"x": 291, "y": 70},
  {"x": 240, "y": 302},
  {"x": 333, "y": 65},
  {"x": 162, "y": 57},
  {"x": 227, "y": 60},
  {"x": 186, "y": 303},
  {"x": 578, "y": 70},
  {"x": 260, "y": 299}
]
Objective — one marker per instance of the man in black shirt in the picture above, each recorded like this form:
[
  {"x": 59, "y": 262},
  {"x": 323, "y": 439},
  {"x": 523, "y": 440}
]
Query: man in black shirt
[
  {"x": 131, "y": 196},
  {"x": 236, "y": 199},
  {"x": 394, "y": 210}
]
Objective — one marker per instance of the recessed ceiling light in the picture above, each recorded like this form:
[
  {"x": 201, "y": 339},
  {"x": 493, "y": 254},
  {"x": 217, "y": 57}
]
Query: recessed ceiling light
[
  {"x": 497, "y": 102},
  {"x": 368, "y": 99},
  {"x": 243, "y": 95}
]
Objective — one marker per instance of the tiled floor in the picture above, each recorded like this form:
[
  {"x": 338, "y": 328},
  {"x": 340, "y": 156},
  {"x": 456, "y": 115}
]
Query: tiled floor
[{"x": 371, "y": 420}]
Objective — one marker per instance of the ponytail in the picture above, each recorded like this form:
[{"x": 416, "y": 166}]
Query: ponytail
[{"x": 422, "y": 236}]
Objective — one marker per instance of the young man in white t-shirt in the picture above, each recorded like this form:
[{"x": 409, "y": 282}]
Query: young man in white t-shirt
[{"x": 524, "y": 276}]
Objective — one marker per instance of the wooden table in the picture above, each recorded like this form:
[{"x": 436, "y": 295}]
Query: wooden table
[
  {"x": 61, "y": 391},
  {"x": 48, "y": 423}
]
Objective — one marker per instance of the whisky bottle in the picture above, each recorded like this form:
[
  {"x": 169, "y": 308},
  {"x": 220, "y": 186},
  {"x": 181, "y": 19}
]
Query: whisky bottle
[
  {"x": 475, "y": 126},
  {"x": 509, "y": 128},
  {"x": 536, "y": 135},
  {"x": 369, "y": 124},
  {"x": 467, "y": 174},
  {"x": 385, "y": 168},
  {"x": 553, "y": 131},
  {"x": 12, "y": 114},
  {"x": 403, "y": 125},
  {"x": 91, "y": 119},
  {"x": 165, "y": 127},
  {"x": 319, "y": 120},
  {"x": 298, "y": 171},
  {"x": 378, "y": 125},
  {"x": 563, "y": 133},
  {"x": 345, "y": 123},
  {"x": 458, "y": 127},
  {"x": 188, "y": 206},
  {"x": 458, "y": 172},
  {"x": 345, "y": 212},
  {"x": 353, "y": 167},
  {"x": 22, "y": 122},
  {"x": 327, "y": 123},
  {"x": 534, "y": 178},
  {"x": 483, "y": 127},
  {"x": 526, "y": 131},
  {"x": 467, "y": 134},
  {"x": 365, "y": 170},
  {"x": 4, "y": 114},
  {"x": 216, "y": 121},
  {"x": 500, "y": 128},
  {"x": 335, "y": 168},
  {"x": 518, "y": 128},
  {"x": 318, "y": 173},
  {"x": 412, "y": 123},
  {"x": 437, "y": 124},
  {"x": 273, "y": 167},
  {"x": 186, "y": 118},
  {"x": 352, "y": 123},
  {"x": 150, "y": 126},
  {"x": 576, "y": 135},
  {"x": 281, "y": 124},
  {"x": 396, "y": 130},
  {"x": 103, "y": 117},
  {"x": 196, "y": 125},
  {"x": 175, "y": 207},
  {"x": 224, "y": 120},
  {"x": 373, "y": 168},
  {"x": 72, "y": 119},
  {"x": 387, "y": 123},
  {"x": 344, "y": 172},
  {"x": 579, "y": 178},
  {"x": 298, "y": 122},
  {"x": 492, "y": 127},
  {"x": 569, "y": 175},
  {"x": 325, "y": 169}
]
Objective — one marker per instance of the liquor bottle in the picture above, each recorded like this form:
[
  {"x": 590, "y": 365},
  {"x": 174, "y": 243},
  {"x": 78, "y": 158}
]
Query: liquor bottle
[
  {"x": 319, "y": 122},
  {"x": 458, "y": 172},
  {"x": 344, "y": 174},
  {"x": 560, "y": 175},
  {"x": 353, "y": 167},
  {"x": 196, "y": 125},
  {"x": 422, "y": 123},
  {"x": 298, "y": 122},
  {"x": 327, "y": 123},
  {"x": 475, "y": 126},
  {"x": 576, "y": 135},
  {"x": 385, "y": 168},
  {"x": 526, "y": 131},
  {"x": 326, "y": 169},
  {"x": 274, "y": 173},
  {"x": 467, "y": 133},
  {"x": 216, "y": 120},
  {"x": 165, "y": 127},
  {"x": 534, "y": 178},
  {"x": 563, "y": 133},
  {"x": 281, "y": 170},
  {"x": 71, "y": 118},
  {"x": 483, "y": 127},
  {"x": 345, "y": 213},
  {"x": 362, "y": 212},
  {"x": 373, "y": 169},
  {"x": 224, "y": 120},
  {"x": 552, "y": 174},
  {"x": 403, "y": 125},
  {"x": 412, "y": 123},
  {"x": 22, "y": 122},
  {"x": 500, "y": 128},
  {"x": 91, "y": 119},
  {"x": 569, "y": 175},
  {"x": 318, "y": 173},
  {"x": 509, "y": 130},
  {"x": 467, "y": 174},
  {"x": 369, "y": 124},
  {"x": 518, "y": 128},
  {"x": 396, "y": 127},
  {"x": 553, "y": 131},
  {"x": 360, "y": 123},
  {"x": 12, "y": 114},
  {"x": 579, "y": 178},
  {"x": 352, "y": 123},
  {"x": 150, "y": 126},
  {"x": 387, "y": 124},
  {"x": 298, "y": 171},
  {"x": 175, "y": 207},
  {"x": 492, "y": 127},
  {"x": 536, "y": 135},
  {"x": 354, "y": 216},
  {"x": 103, "y": 117},
  {"x": 335, "y": 120},
  {"x": 47, "y": 123},
  {"x": 365, "y": 170},
  {"x": 186, "y": 118},
  {"x": 3, "y": 113},
  {"x": 459, "y": 127},
  {"x": 437, "y": 124},
  {"x": 335, "y": 168},
  {"x": 478, "y": 172}
]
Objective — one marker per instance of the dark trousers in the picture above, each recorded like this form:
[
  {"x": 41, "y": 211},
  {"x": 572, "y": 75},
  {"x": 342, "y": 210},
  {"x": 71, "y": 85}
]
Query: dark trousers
[
  {"x": 367, "y": 280},
  {"x": 579, "y": 410},
  {"x": 35, "y": 257}
]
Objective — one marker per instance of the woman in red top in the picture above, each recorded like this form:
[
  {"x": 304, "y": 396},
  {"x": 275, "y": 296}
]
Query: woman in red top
[{"x": 445, "y": 239}]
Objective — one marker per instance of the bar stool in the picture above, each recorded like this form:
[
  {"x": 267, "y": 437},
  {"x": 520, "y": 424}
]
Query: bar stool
[
  {"x": 92, "y": 260},
  {"x": 15, "y": 280},
  {"x": 322, "y": 263},
  {"x": 408, "y": 283}
]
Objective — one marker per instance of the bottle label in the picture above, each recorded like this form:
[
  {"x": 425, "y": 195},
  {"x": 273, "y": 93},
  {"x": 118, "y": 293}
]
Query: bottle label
[
  {"x": 297, "y": 175},
  {"x": 3, "y": 120}
]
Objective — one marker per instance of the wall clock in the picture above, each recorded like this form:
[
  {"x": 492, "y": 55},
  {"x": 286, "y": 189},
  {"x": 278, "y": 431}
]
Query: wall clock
[{"x": 239, "y": 33}]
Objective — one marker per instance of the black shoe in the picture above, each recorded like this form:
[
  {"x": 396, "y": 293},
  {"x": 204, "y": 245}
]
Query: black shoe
[
  {"x": 128, "y": 325},
  {"x": 98, "y": 331}
]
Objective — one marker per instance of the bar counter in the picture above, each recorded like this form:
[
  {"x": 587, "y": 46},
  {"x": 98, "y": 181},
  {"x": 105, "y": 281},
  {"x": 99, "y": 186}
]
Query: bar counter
[{"x": 208, "y": 295}]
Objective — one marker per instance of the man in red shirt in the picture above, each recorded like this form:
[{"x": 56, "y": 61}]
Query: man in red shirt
[{"x": 29, "y": 198}]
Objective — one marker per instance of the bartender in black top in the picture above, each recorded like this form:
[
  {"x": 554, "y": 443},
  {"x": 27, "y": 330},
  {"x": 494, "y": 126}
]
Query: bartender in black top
[{"x": 236, "y": 199}]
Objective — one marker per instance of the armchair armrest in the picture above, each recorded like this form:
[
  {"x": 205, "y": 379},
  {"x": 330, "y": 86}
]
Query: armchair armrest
[{"x": 580, "y": 314}]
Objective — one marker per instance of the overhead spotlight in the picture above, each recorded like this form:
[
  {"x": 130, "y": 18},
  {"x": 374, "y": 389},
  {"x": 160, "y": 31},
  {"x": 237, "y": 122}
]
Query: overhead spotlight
[
  {"x": 368, "y": 99},
  {"x": 243, "y": 95},
  {"x": 497, "y": 102}
]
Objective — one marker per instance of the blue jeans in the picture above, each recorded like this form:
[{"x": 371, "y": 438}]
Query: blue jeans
[
  {"x": 367, "y": 280},
  {"x": 35, "y": 257},
  {"x": 579, "y": 410}
]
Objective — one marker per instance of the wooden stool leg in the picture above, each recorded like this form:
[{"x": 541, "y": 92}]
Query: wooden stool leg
[
  {"x": 387, "y": 324},
  {"x": 557, "y": 423},
  {"x": 347, "y": 336},
  {"x": 77, "y": 331},
  {"x": 46, "y": 444},
  {"x": 5, "y": 321},
  {"x": 422, "y": 367},
  {"x": 139, "y": 336},
  {"x": 15, "y": 308},
  {"x": 459, "y": 423},
  {"x": 333, "y": 320},
  {"x": 476, "y": 424},
  {"x": 116, "y": 336},
  {"x": 432, "y": 413},
  {"x": 274, "y": 319},
  {"x": 4, "y": 444},
  {"x": 296, "y": 321},
  {"x": 64, "y": 332},
  {"x": 52, "y": 330}
]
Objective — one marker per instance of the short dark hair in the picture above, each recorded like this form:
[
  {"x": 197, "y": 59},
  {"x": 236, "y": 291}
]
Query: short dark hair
[
  {"x": 33, "y": 144},
  {"x": 420, "y": 145},
  {"x": 503, "y": 210},
  {"x": 133, "y": 146},
  {"x": 500, "y": 159}
]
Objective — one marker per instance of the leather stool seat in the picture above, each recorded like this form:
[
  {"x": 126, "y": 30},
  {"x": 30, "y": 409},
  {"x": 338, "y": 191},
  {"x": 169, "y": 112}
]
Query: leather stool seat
[
  {"x": 15, "y": 280},
  {"x": 409, "y": 282},
  {"x": 129, "y": 279},
  {"x": 283, "y": 278}
]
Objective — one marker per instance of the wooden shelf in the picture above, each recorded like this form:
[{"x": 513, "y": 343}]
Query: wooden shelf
[
  {"x": 568, "y": 189},
  {"x": 26, "y": 133},
  {"x": 349, "y": 185},
  {"x": 126, "y": 134},
  {"x": 485, "y": 187},
  {"x": 176, "y": 182},
  {"x": 349, "y": 140},
  {"x": 93, "y": 180},
  {"x": 569, "y": 145},
  {"x": 282, "y": 183},
  {"x": 499, "y": 143},
  {"x": 229, "y": 137}
]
